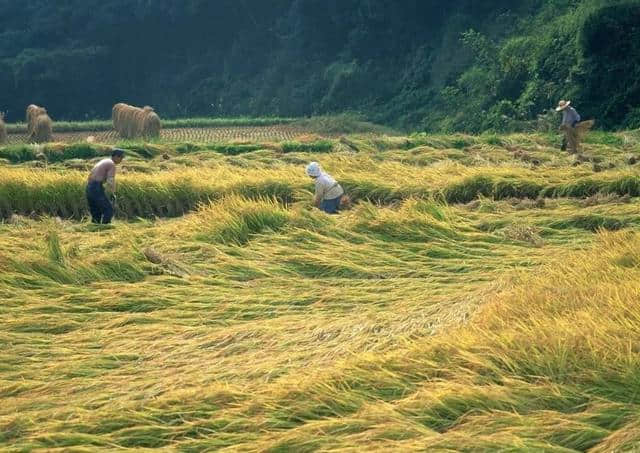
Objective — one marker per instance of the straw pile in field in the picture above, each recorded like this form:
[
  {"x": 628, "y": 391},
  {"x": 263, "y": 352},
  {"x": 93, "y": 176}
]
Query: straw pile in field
[
  {"x": 32, "y": 112},
  {"x": 151, "y": 123},
  {"x": 3, "y": 129},
  {"x": 583, "y": 127},
  {"x": 39, "y": 125},
  {"x": 134, "y": 122},
  {"x": 116, "y": 112}
]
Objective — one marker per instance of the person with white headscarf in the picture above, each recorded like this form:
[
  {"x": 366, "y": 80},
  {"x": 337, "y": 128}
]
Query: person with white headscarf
[{"x": 328, "y": 192}]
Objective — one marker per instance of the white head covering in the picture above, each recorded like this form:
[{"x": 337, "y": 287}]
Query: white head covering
[{"x": 313, "y": 169}]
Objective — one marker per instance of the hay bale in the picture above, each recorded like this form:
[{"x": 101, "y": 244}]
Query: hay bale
[
  {"x": 151, "y": 123},
  {"x": 137, "y": 124},
  {"x": 133, "y": 122},
  {"x": 130, "y": 118},
  {"x": 39, "y": 125},
  {"x": 33, "y": 111},
  {"x": 3, "y": 130},
  {"x": 42, "y": 130},
  {"x": 121, "y": 116},
  {"x": 115, "y": 112},
  {"x": 116, "y": 116}
]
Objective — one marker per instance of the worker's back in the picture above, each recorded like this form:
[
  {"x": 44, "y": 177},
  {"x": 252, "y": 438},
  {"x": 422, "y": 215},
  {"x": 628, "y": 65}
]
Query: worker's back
[{"x": 103, "y": 170}]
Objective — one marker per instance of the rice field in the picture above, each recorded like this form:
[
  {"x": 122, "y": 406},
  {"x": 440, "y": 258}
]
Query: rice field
[
  {"x": 179, "y": 134},
  {"x": 481, "y": 295}
]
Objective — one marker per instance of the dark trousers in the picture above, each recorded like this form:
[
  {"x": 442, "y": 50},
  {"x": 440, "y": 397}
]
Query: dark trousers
[
  {"x": 565, "y": 141},
  {"x": 331, "y": 206},
  {"x": 99, "y": 205}
]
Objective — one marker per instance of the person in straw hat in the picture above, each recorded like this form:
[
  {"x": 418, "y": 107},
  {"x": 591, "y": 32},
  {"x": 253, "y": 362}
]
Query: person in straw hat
[
  {"x": 570, "y": 118},
  {"x": 328, "y": 192}
]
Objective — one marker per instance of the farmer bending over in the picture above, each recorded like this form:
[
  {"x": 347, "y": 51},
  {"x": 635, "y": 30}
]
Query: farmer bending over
[
  {"x": 570, "y": 117},
  {"x": 328, "y": 191},
  {"x": 99, "y": 205}
]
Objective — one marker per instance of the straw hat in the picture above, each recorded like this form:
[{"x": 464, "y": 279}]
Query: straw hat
[{"x": 562, "y": 105}]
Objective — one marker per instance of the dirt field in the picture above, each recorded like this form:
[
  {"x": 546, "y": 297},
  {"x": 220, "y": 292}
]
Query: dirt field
[{"x": 212, "y": 134}]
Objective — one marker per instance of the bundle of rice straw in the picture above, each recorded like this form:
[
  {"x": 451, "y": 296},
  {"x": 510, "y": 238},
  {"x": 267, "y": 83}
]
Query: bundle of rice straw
[
  {"x": 39, "y": 125},
  {"x": 32, "y": 112},
  {"x": 151, "y": 123},
  {"x": 583, "y": 127},
  {"x": 133, "y": 122}
]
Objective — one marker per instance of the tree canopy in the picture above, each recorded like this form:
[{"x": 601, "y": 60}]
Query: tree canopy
[{"x": 457, "y": 65}]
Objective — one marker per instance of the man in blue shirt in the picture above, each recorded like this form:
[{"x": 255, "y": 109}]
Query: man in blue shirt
[{"x": 570, "y": 118}]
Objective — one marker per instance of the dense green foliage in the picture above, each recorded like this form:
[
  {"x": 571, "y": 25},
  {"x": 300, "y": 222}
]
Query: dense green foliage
[{"x": 462, "y": 65}]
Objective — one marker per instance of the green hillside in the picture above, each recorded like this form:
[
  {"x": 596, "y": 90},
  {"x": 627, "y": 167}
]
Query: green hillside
[{"x": 462, "y": 65}]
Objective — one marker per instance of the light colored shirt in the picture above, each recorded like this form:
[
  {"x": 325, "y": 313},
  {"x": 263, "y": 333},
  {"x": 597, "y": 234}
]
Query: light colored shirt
[
  {"x": 570, "y": 117},
  {"x": 327, "y": 188},
  {"x": 105, "y": 170}
]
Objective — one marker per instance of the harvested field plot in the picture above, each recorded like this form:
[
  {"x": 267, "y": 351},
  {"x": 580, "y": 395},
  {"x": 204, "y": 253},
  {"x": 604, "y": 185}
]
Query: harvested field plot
[{"x": 195, "y": 134}]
